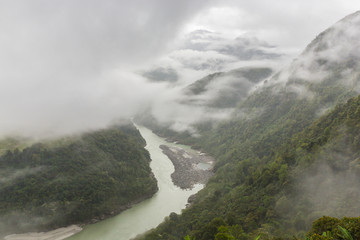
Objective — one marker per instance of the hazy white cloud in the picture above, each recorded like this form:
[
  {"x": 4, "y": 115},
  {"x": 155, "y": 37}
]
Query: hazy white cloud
[
  {"x": 179, "y": 116},
  {"x": 333, "y": 55},
  {"x": 286, "y": 23},
  {"x": 9, "y": 177},
  {"x": 210, "y": 60},
  {"x": 66, "y": 65},
  {"x": 69, "y": 65}
]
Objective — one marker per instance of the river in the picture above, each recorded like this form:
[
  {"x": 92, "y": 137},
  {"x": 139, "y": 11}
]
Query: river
[{"x": 149, "y": 213}]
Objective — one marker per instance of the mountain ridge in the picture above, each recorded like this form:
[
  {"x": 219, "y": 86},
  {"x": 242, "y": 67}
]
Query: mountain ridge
[{"x": 255, "y": 167}]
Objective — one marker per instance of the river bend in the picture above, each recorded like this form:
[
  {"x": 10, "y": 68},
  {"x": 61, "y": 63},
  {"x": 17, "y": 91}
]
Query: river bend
[{"x": 149, "y": 213}]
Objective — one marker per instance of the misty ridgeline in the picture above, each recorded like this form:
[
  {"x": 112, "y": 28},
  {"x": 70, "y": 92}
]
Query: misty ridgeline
[{"x": 286, "y": 144}]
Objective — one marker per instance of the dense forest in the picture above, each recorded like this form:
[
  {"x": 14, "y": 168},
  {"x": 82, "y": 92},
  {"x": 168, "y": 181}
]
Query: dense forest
[
  {"x": 282, "y": 193},
  {"x": 288, "y": 156},
  {"x": 286, "y": 144},
  {"x": 73, "y": 180}
]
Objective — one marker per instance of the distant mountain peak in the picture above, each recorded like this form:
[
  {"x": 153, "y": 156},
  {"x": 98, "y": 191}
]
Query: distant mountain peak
[
  {"x": 333, "y": 57},
  {"x": 344, "y": 34},
  {"x": 243, "y": 47}
]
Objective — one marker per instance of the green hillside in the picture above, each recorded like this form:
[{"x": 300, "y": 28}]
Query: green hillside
[
  {"x": 314, "y": 173},
  {"x": 282, "y": 163},
  {"x": 82, "y": 179}
]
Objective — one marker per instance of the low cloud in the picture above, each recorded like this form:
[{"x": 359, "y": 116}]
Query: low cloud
[
  {"x": 332, "y": 58},
  {"x": 200, "y": 55},
  {"x": 211, "y": 99},
  {"x": 325, "y": 183},
  {"x": 73, "y": 65},
  {"x": 69, "y": 65},
  {"x": 9, "y": 177}
]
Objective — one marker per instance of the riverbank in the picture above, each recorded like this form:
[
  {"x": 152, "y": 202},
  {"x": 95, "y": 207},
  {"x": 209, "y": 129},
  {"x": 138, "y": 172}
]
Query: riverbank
[
  {"x": 66, "y": 232},
  {"x": 149, "y": 213},
  {"x": 57, "y": 234},
  {"x": 122, "y": 208},
  {"x": 190, "y": 167}
]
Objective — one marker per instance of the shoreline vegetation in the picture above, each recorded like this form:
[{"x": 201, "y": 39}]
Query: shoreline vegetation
[
  {"x": 78, "y": 182},
  {"x": 66, "y": 232},
  {"x": 188, "y": 172},
  {"x": 121, "y": 209}
]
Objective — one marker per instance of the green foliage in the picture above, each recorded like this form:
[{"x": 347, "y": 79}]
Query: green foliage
[
  {"x": 224, "y": 234},
  {"x": 12, "y": 143},
  {"x": 271, "y": 157},
  {"x": 345, "y": 234},
  {"x": 261, "y": 162},
  {"x": 85, "y": 178},
  {"x": 257, "y": 237},
  {"x": 329, "y": 228}
]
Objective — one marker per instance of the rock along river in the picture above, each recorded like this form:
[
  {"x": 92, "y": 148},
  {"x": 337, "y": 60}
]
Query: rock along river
[{"x": 149, "y": 213}]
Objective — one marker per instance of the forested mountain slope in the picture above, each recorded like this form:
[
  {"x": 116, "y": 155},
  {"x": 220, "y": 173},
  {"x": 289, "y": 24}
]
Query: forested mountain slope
[
  {"x": 225, "y": 89},
  {"x": 216, "y": 93},
  {"x": 267, "y": 151},
  {"x": 50, "y": 185}
]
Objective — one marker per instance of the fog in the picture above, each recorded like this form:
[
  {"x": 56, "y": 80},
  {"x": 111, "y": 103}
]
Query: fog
[
  {"x": 332, "y": 57},
  {"x": 69, "y": 66},
  {"x": 9, "y": 177},
  {"x": 326, "y": 184}
]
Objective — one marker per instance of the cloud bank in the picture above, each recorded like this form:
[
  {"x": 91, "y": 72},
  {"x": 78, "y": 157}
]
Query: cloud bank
[{"x": 70, "y": 66}]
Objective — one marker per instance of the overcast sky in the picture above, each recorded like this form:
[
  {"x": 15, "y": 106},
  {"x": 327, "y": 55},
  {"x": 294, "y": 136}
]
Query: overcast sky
[{"x": 68, "y": 65}]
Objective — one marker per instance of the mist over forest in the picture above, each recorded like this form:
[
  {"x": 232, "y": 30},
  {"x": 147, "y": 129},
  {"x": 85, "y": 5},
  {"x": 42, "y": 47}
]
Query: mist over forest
[
  {"x": 270, "y": 96},
  {"x": 76, "y": 66}
]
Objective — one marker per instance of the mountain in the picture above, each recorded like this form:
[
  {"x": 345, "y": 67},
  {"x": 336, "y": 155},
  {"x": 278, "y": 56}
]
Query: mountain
[
  {"x": 161, "y": 74},
  {"x": 272, "y": 155},
  {"x": 244, "y": 47},
  {"x": 73, "y": 180},
  {"x": 204, "y": 52},
  {"x": 216, "y": 95},
  {"x": 225, "y": 89},
  {"x": 333, "y": 57}
]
